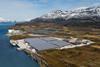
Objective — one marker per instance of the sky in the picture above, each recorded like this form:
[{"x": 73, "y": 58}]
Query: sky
[{"x": 24, "y": 10}]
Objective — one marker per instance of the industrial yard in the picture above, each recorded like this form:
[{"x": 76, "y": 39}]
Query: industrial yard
[{"x": 66, "y": 43}]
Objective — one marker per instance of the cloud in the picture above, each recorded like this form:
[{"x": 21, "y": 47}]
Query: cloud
[
  {"x": 96, "y": 4},
  {"x": 21, "y": 4},
  {"x": 2, "y": 19},
  {"x": 38, "y": 1},
  {"x": 45, "y": 1}
]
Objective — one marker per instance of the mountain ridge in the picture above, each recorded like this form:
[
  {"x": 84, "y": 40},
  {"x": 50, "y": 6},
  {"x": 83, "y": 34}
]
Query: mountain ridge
[
  {"x": 88, "y": 16},
  {"x": 2, "y": 19}
]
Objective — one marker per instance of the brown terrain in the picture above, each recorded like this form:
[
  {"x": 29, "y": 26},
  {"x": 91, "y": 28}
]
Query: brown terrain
[{"x": 87, "y": 56}]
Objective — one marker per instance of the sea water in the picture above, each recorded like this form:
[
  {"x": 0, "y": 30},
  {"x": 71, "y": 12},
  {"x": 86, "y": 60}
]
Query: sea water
[{"x": 9, "y": 56}]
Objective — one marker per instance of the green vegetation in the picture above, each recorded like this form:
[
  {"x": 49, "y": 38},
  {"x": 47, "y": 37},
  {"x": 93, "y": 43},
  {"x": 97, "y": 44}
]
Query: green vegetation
[
  {"x": 88, "y": 56},
  {"x": 16, "y": 37},
  {"x": 75, "y": 57}
]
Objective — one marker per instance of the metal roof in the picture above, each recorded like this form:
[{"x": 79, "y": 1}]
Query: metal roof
[{"x": 45, "y": 43}]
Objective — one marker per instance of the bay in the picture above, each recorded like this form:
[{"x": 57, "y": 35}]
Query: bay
[{"x": 9, "y": 56}]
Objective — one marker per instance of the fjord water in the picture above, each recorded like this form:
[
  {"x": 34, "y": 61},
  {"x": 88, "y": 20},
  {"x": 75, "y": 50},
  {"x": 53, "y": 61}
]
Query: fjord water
[{"x": 9, "y": 56}]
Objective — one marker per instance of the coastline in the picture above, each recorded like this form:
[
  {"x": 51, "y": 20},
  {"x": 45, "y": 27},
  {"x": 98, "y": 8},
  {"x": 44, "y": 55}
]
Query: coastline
[
  {"x": 23, "y": 46},
  {"x": 7, "y": 53},
  {"x": 44, "y": 63},
  {"x": 34, "y": 55}
]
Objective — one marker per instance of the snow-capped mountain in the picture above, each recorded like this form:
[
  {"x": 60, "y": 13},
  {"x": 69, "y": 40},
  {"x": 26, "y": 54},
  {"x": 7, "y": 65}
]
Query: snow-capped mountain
[
  {"x": 55, "y": 14},
  {"x": 2, "y": 19},
  {"x": 79, "y": 12},
  {"x": 77, "y": 16}
]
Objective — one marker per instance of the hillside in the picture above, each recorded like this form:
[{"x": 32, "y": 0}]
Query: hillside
[
  {"x": 88, "y": 55},
  {"x": 82, "y": 23},
  {"x": 89, "y": 16}
]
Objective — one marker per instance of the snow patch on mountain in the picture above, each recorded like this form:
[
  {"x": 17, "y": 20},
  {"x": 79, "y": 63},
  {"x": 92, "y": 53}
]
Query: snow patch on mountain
[
  {"x": 76, "y": 13},
  {"x": 3, "y": 20}
]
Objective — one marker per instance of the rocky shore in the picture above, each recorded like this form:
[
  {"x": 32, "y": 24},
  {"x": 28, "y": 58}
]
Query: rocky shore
[{"x": 35, "y": 53}]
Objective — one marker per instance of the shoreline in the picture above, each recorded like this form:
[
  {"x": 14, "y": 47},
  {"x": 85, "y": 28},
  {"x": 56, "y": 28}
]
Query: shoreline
[
  {"x": 35, "y": 56},
  {"x": 74, "y": 42}
]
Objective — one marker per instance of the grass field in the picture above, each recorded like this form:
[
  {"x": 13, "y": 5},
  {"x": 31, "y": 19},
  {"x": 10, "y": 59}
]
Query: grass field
[{"x": 87, "y": 56}]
